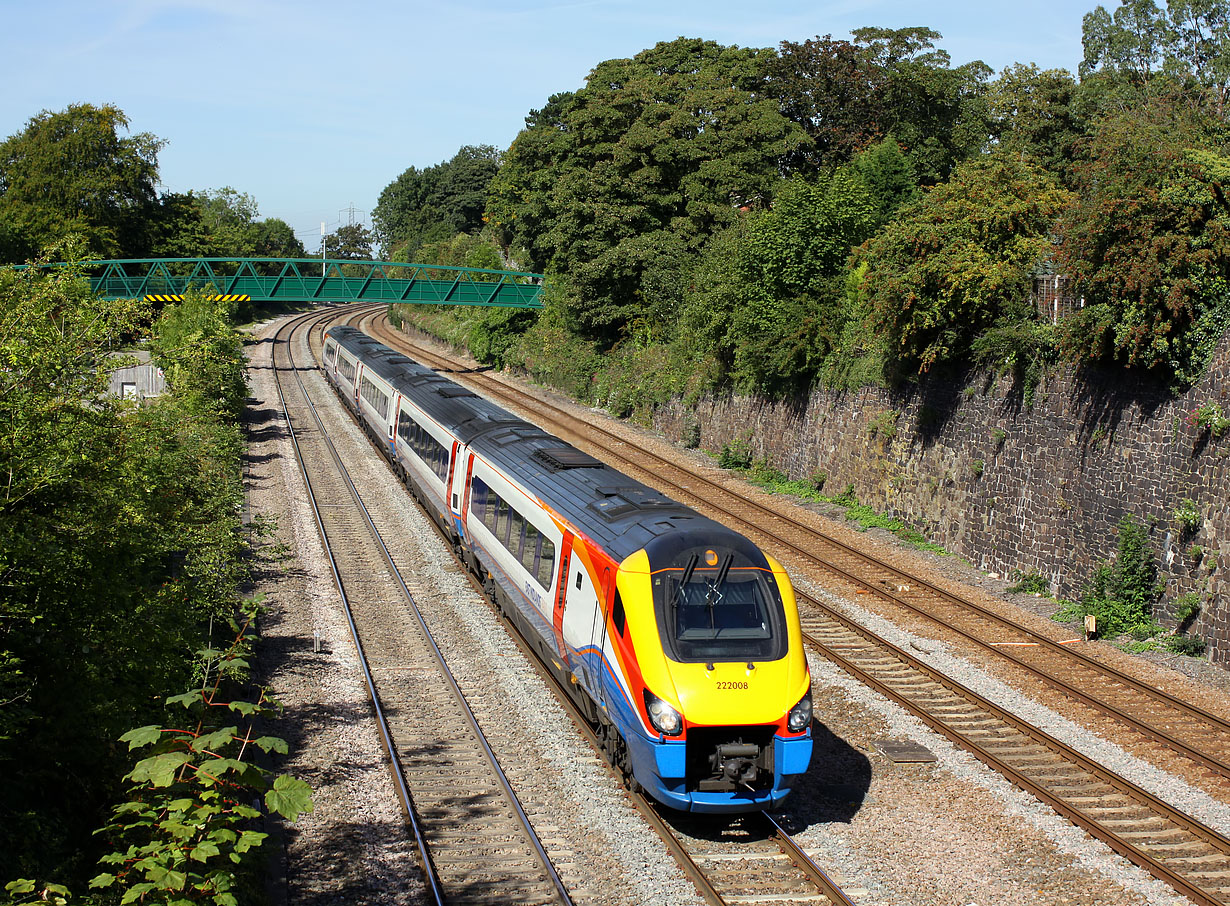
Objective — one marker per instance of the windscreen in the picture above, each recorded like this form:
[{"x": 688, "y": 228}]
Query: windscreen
[{"x": 714, "y": 603}]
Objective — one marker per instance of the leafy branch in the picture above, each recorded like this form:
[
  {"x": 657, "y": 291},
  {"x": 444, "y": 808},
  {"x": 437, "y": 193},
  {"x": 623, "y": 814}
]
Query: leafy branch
[{"x": 186, "y": 830}]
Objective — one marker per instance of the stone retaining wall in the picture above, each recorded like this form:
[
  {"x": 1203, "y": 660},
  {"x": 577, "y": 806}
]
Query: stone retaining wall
[{"x": 1016, "y": 485}]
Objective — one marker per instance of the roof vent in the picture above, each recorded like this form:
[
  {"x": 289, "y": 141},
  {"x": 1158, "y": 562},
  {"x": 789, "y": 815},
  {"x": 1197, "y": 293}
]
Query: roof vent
[
  {"x": 453, "y": 391},
  {"x": 559, "y": 458}
]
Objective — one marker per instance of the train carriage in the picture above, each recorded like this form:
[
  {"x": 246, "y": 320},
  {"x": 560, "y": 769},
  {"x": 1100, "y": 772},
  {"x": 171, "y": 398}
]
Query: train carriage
[{"x": 678, "y": 637}]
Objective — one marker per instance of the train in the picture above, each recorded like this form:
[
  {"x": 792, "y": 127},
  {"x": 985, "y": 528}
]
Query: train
[{"x": 678, "y": 638}]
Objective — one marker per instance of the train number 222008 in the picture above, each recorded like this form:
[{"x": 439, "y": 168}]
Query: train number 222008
[{"x": 726, "y": 684}]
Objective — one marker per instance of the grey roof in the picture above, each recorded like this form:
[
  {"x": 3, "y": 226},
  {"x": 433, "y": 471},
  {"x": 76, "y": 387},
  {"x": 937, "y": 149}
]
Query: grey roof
[{"x": 613, "y": 509}]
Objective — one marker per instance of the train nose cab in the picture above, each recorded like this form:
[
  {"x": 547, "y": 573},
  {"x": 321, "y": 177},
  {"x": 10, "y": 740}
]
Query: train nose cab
[{"x": 731, "y": 696}]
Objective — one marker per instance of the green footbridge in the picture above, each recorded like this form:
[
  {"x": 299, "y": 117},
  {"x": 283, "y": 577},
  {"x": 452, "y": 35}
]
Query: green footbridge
[{"x": 299, "y": 280}]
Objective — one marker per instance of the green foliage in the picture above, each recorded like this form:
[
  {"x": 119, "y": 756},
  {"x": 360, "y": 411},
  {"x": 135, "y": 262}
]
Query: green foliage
[
  {"x": 119, "y": 539},
  {"x": 1147, "y": 244},
  {"x": 201, "y": 353},
  {"x": 72, "y": 173},
  {"x": 737, "y": 454},
  {"x": 1036, "y": 115},
  {"x": 1121, "y": 593},
  {"x": 1033, "y": 583},
  {"x": 184, "y": 832},
  {"x": 25, "y": 891},
  {"x": 352, "y": 240},
  {"x": 883, "y": 424},
  {"x": 1144, "y": 51},
  {"x": 1195, "y": 553},
  {"x": 867, "y": 518},
  {"x": 1210, "y": 417},
  {"x": 768, "y": 295},
  {"x": 976, "y": 468},
  {"x": 888, "y": 176},
  {"x": 218, "y": 224},
  {"x": 1186, "y": 608},
  {"x": 435, "y": 203},
  {"x": 958, "y": 262},
  {"x": 1189, "y": 647},
  {"x": 649, "y": 159},
  {"x": 847, "y": 96},
  {"x": 1187, "y": 515}
]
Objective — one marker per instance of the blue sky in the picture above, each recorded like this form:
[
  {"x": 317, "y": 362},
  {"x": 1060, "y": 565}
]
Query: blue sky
[{"x": 314, "y": 107}]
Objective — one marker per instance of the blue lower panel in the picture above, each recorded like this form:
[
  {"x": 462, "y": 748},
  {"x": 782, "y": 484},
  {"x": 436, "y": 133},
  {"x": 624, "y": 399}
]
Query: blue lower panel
[{"x": 660, "y": 768}]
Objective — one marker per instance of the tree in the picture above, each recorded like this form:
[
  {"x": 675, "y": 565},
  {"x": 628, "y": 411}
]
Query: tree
[
  {"x": 937, "y": 113},
  {"x": 833, "y": 89},
  {"x": 958, "y": 261},
  {"x": 219, "y": 224},
  {"x": 888, "y": 177},
  {"x": 1035, "y": 114},
  {"x": 72, "y": 172},
  {"x": 118, "y": 541},
  {"x": 661, "y": 150},
  {"x": 1148, "y": 242},
  {"x": 769, "y": 289},
  {"x": 350, "y": 241},
  {"x": 1143, "y": 51},
  {"x": 849, "y": 95},
  {"x": 435, "y": 203}
]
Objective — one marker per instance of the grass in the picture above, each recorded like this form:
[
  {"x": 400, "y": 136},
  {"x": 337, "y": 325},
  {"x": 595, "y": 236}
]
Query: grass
[{"x": 769, "y": 479}]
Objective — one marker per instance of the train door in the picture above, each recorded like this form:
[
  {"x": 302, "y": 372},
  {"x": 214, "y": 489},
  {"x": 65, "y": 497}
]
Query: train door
[
  {"x": 465, "y": 493},
  {"x": 561, "y": 592},
  {"x": 394, "y": 408},
  {"x": 600, "y": 619},
  {"x": 358, "y": 377}
]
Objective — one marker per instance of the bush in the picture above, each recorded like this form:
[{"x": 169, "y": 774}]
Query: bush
[
  {"x": 1121, "y": 593},
  {"x": 1181, "y": 644},
  {"x": 1031, "y": 584},
  {"x": 1187, "y": 516}
]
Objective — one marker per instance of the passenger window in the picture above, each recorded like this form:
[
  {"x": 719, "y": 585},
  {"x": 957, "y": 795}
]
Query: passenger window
[
  {"x": 501, "y": 523},
  {"x": 529, "y": 556},
  {"x": 546, "y": 563},
  {"x": 516, "y": 534}
]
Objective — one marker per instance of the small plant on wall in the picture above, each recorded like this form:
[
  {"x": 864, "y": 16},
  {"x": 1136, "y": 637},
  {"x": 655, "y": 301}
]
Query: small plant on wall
[{"x": 1187, "y": 516}]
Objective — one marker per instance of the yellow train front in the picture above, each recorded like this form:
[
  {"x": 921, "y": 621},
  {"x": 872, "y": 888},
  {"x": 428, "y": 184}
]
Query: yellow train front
[{"x": 706, "y": 681}]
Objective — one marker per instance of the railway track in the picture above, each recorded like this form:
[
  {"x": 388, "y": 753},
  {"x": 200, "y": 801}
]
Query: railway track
[
  {"x": 475, "y": 841},
  {"x": 1191, "y": 857},
  {"x": 752, "y": 859},
  {"x": 1180, "y": 726}
]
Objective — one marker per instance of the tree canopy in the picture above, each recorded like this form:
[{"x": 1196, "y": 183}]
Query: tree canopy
[
  {"x": 73, "y": 172},
  {"x": 655, "y": 152},
  {"x": 435, "y": 203}
]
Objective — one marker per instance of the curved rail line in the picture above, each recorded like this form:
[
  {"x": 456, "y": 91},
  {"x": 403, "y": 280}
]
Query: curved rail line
[
  {"x": 1193, "y": 858},
  {"x": 435, "y": 838},
  {"x": 1181, "y": 726},
  {"x": 787, "y": 873}
]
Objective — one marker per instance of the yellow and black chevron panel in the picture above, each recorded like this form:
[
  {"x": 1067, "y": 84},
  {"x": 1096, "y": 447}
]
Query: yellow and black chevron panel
[{"x": 215, "y": 298}]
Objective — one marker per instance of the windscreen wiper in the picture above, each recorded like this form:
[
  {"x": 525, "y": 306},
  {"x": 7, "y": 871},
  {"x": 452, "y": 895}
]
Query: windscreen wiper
[
  {"x": 713, "y": 595},
  {"x": 687, "y": 574}
]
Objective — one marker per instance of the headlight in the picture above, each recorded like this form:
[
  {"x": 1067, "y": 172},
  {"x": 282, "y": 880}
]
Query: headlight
[
  {"x": 665, "y": 719},
  {"x": 800, "y": 714}
]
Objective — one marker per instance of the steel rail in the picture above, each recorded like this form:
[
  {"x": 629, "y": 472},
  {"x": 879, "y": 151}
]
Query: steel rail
[
  {"x": 643, "y": 803},
  {"x": 510, "y": 794},
  {"x": 805, "y": 862},
  {"x": 1126, "y": 849},
  {"x": 395, "y": 766},
  {"x": 1142, "y": 726}
]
